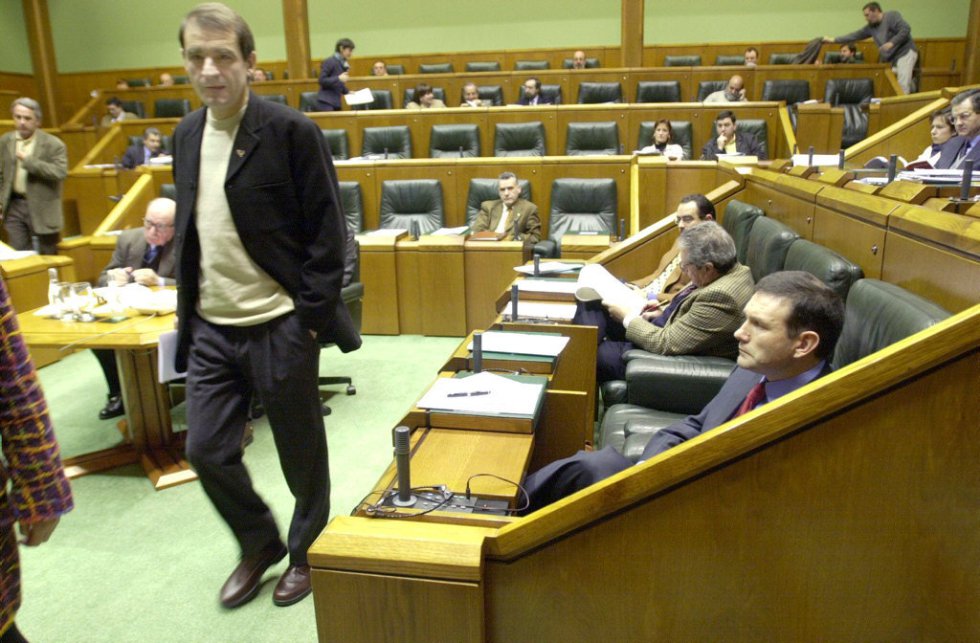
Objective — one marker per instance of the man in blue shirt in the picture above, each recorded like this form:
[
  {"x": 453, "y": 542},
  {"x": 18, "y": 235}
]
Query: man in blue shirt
[
  {"x": 141, "y": 153},
  {"x": 792, "y": 324}
]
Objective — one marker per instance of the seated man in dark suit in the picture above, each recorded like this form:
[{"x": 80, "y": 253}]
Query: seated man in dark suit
[
  {"x": 144, "y": 256},
  {"x": 115, "y": 113},
  {"x": 140, "y": 154},
  {"x": 792, "y": 324},
  {"x": 700, "y": 319},
  {"x": 966, "y": 145},
  {"x": 730, "y": 140},
  {"x": 509, "y": 214},
  {"x": 532, "y": 94}
]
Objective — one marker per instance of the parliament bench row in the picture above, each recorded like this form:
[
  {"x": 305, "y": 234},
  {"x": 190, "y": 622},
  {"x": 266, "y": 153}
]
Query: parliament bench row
[{"x": 660, "y": 390}]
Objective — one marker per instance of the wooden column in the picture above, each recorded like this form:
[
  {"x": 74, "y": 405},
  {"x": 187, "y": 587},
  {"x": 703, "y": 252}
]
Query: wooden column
[
  {"x": 39, "y": 36},
  {"x": 971, "y": 74},
  {"x": 631, "y": 39},
  {"x": 296, "y": 28}
]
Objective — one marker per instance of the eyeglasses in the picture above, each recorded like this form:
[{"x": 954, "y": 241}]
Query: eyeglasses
[
  {"x": 159, "y": 227},
  {"x": 962, "y": 116}
]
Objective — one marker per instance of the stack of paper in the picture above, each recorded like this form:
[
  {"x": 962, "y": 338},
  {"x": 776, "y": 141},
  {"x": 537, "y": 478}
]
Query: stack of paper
[
  {"x": 483, "y": 394},
  {"x": 549, "y": 266},
  {"x": 522, "y": 343}
]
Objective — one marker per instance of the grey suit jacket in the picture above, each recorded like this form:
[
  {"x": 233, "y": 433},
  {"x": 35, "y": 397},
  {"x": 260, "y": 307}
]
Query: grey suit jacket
[
  {"x": 524, "y": 212},
  {"x": 46, "y": 169},
  {"x": 704, "y": 323},
  {"x": 130, "y": 248},
  {"x": 951, "y": 149}
]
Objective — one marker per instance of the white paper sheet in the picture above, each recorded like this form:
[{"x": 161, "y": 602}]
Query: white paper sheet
[
  {"x": 548, "y": 266},
  {"x": 498, "y": 395},
  {"x": 359, "y": 97},
  {"x": 522, "y": 343}
]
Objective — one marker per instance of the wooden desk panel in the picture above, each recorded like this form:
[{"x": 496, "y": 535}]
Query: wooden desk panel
[
  {"x": 409, "y": 287},
  {"x": 489, "y": 268},
  {"x": 861, "y": 242},
  {"x": 380, "y": 278},
  {"x": 442, "y": 285},
  {"x": 27, "y": 284}
]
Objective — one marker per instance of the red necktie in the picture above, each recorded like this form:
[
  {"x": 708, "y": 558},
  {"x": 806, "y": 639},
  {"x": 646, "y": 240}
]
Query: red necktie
[{"x": 756, "y": 395}]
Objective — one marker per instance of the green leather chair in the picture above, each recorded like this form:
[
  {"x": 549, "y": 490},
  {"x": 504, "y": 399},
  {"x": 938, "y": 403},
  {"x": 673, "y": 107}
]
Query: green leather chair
[
  {"x": 592, "y": 138},
  {"x": 658, "y": 91},
  {"x": 436, "y": 68},
  {"x": 682, "y": 61},
  {"x": 769, "y": 242},
  {"x": 350, "y": 198},
  {"x": 519, "y": 139},
  {"x": 275, "y": 98},
  {"x": 382, "y": 100},
  {"x": 579, "y": 205},
  {"x": 166, "y": 142},
  {"x": 706, "y": 87},
  {"x": 489, "y": 65},
  {"x": 395, "y": 69},
  {"x": 337, "y": 142},
  {"x": 393, "y": 142},
  {"x": 454, "y": 141},
  {"x": 833, "y": 57},
  {"x": 531, "y": 65},
  {"x": 595, "y": 93},
  {"x": 551, "y": 92},
  {"x": 758, "y": 128},
  {"x": 826, "y": 265},
  {"x": 853, "y": 94},
  {"x": 414, "y": 201},
  {"x": 134, "y": 107},
  {"x": 737, "y": 220},
  {"x": 171, "y": 107},
  {"x": 307, "y": 101},
  {"x": 139, "y": 82},
  {"x": 409, "y": 95},
  {"x": 782, "y": 58},
  {"x": 723, "y": 60}
]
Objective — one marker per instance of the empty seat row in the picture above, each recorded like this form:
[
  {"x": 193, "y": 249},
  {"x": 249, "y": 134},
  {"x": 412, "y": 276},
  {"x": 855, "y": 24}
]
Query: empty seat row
[
  {"x": 162, "y": 107},
  {"x": 486, "y": 65},
  {"x": 577, "y": 205},
  {"x": 517, "y": 139}
]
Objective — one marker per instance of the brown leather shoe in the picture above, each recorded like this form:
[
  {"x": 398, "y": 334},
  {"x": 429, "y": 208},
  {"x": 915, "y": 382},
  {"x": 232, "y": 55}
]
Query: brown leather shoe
[
  {"x": 244, "y": 582},
  {"x": 293, "y": 586}
]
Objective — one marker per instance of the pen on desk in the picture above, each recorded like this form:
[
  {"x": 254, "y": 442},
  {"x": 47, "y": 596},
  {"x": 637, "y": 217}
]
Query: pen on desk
[{"x": 468, "y": 394}]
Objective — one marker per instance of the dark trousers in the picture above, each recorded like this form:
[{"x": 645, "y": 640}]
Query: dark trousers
[
  {"x": 564, "y": 477},
  {"x": 107, "y": 360},
  {"x": 612, "y": 341},
  {"x": 12, "y": 635},
  {"x": 20, "y": 234},
  {"x": 279, "y": 362}
]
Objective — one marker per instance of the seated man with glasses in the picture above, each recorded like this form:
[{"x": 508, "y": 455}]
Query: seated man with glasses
[
  {"x": 144, "y": 256},
  {"x": 700, "y": 319},
  {"x": 647, "y": 294}
]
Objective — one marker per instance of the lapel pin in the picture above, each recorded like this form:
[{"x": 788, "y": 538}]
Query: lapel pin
[{"x": 240, "y": 153}]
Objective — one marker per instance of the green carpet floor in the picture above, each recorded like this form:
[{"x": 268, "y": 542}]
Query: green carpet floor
[{"x": 134, "y": 564}]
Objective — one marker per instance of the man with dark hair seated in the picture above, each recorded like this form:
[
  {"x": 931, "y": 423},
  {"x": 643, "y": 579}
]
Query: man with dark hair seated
[
  {"x": 532, "y": 93},
  {"x": 141, "y": 153},
  {"x": 730, "y": 140},
  {"x": 115, "y": 113},
  {"x": 792, "y": 324},
  {"x": 848, "y": 53},
  {"x": 509, "y": 214},
  {"x": 700, "y": 318}
]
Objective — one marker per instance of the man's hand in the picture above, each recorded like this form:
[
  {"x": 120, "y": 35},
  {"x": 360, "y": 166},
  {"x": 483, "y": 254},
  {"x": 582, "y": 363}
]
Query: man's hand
[
  {"x": 344, "y": 77},
  {"x": 721, "y": 142},
  {"x": 887, "y": 46},
  {"x": 312, "y": 333},
  {"x": 38, "y": 532},
  {"x": 616, "y": 311},
  {"x": 119, "y": 276},
  {"x": 147, "y": 277},
  {"x": 21, "y": 155},
  {"x": 651, "y": 310}
]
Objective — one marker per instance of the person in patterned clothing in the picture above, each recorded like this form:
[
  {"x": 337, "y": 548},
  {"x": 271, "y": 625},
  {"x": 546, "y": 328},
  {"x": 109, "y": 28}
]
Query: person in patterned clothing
[{"x": 34, "y": 491}]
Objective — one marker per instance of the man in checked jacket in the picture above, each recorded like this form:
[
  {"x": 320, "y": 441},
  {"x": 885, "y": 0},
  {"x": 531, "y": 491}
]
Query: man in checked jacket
[{"x": 33, "y": 488}]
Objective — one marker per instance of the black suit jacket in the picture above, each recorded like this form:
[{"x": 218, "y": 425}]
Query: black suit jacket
[
  {"x": 951, "y": 149},
  {"x": 745, "y": 143},
  {"x": 719, "y": 410},
  {"x": 134, "y": 156},
  {"x": 282, "y": 190},
  {"x": 542, "y": 100},
  {"x": 328, "y": 98}
]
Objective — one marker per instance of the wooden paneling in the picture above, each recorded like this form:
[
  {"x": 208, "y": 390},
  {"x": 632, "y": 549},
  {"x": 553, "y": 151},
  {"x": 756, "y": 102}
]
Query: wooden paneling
[
  {"x": 489, "y": 270},
  {"x": 442, "y": 285}
]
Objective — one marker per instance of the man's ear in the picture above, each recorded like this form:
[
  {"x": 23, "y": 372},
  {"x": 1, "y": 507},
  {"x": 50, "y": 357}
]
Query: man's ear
[
  {"x": 251, "y": 60},
  {"x": 807, "y": 343}
]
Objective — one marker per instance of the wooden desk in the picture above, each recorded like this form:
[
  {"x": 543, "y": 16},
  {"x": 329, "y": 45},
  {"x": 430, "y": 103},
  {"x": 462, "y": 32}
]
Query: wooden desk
[
  {"x": 380, "y": 312},
  {"x": 441, "y": 285},
  {"x": 489, "y": 269},
  {"x": 583, "y": 246},
  {"x": 147, "y": 401},
  {"x": 27, "y": 283}
]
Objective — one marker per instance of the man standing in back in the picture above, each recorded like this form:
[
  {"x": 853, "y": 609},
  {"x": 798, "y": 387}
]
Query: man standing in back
[
  {"x": 894, "y": 39},
  {"x": 33, "y": 167},
  {"x": 260, "y": 258}
]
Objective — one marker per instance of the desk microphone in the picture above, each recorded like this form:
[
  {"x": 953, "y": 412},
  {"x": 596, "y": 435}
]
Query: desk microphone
[
  {"x": 537, "y": 265},
  {"x": 515, "y": 296},
  {"x": 840, "y": 160},
  {"x": 405, "y": 498},
  {"x": 477, "y": 352},
  {"x": 967, "y": 180},
  {"x": 810, "y": 159},
  {"x": 622, "y": 229},
  {"x": 892, "y": 166}
]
